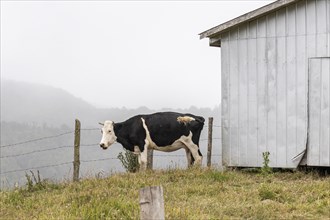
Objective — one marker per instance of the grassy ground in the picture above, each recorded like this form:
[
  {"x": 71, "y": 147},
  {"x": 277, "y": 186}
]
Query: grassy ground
[{"x": 189, "y": 194}]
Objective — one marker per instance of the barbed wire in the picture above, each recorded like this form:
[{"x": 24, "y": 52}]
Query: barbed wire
[
  {"x": 90, "y": 129},
  {"x": 206, "y": 139},
  {"x": 35, "y": 151},
  {"x": 34, "y": 168},
  {"x": 37, "y": 139},
  {"x": 102, "y": 159},
  {"x": 216, "y": 126},
  {"x": 89, "y": 145}
]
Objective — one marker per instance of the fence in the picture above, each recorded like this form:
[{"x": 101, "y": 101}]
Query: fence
[{"x": 76, "y": 146}]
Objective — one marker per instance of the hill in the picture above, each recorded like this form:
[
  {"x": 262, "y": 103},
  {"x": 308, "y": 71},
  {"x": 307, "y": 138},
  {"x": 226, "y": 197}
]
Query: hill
[
  {"x": 188, "y": 194},
  {"x": 39, "y": 104}
]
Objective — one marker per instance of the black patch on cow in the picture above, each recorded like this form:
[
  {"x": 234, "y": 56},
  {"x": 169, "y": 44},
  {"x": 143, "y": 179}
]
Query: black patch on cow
[{"x": 131, "y": 133}]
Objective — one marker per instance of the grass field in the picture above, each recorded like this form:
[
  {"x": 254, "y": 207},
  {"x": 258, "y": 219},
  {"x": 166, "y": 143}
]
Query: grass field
[{"x": 188, "y": 194}]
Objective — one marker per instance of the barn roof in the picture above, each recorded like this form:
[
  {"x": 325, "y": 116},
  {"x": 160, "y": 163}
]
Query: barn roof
[{"x": 214, "y": 33}]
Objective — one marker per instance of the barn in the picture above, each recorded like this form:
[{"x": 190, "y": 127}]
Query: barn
[{"x": 275, "y": 85}]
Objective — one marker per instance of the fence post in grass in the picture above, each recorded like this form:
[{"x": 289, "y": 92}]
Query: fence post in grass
[
  {"x": 209, "y": 144},
  {"x": 150, "y": 158},
  {"x": 152, "y": 203},
  {"x": 76, "y": 157}
]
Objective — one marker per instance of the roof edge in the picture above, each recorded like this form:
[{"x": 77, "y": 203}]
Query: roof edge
[{"x": 245, "y": 17}]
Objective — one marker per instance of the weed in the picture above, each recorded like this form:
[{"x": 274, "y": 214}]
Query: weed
[
  {"x": 37, "y": 184},
  {"x": 129, "y": 161},
  {"x": 265, "y": 169}
]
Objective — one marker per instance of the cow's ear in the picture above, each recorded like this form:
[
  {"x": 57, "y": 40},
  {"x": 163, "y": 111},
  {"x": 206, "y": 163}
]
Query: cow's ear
[{"x": 101, "y": 124}]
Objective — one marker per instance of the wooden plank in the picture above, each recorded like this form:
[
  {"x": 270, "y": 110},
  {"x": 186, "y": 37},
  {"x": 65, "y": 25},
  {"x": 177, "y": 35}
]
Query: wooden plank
[
  {"x": 328, "y": 26},
  {"x": 291, "y": 86},
  {"x": 311, "y": 28},
  {"x": 315, "y": 80},
  {"x": 301, "y": 18},
  {"x": 233, "y": 90},
  {"x": 311, "y": 17},
  {"x": 314, "y": 83},
  {"x": 325, "y": 113},
  {"x": 152, "y": 203},
  {"x": 243, "y": 96},
  {"x": 321, "y": 21},
  {"x": 252, "y": 156},
  {"x": 321, "y": 29},
  {"x": 271, "y": 80},
  {"x": 281, "y": 87},
  {"x": 262, "y": 89},
  {"x": 302, "y": 77},
  {"x": 225, "y": 98}
]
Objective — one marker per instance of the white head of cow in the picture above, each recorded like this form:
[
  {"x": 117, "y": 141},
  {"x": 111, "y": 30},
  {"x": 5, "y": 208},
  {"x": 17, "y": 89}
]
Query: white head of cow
[{"x": 108, "y": 134}]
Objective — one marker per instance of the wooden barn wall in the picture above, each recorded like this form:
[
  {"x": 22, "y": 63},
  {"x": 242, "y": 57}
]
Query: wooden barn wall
[
  {"x": 319, "y": 112},
  {"x": 265, "y": 83}
]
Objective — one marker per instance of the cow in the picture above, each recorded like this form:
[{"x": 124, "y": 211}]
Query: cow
[{"x": 162, "y": 131}]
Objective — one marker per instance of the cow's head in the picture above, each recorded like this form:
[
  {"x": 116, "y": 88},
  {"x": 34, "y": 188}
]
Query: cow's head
[{"x": 108, "y": 134}]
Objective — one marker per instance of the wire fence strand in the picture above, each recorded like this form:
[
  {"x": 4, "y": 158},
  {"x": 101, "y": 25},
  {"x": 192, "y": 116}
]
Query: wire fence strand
[
  {"x": 37, "y": 139},
  {"x": 35, "y": 151},
  {"x": 34, "y": 168}
]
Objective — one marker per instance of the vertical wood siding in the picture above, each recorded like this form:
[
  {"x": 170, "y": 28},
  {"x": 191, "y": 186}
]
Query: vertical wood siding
[
  {"x": 319, "y": 111},
  {"x": 265, "y": 83}
]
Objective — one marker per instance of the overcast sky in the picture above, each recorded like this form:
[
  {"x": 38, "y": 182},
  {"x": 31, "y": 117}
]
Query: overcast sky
[{"x": 118, "y": 53}]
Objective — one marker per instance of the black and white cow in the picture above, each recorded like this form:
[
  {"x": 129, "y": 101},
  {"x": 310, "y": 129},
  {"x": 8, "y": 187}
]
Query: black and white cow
[{"x": 163, "y": 131}]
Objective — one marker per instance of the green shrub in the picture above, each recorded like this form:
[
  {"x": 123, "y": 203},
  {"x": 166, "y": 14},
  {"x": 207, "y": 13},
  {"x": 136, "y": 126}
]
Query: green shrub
[
  {"x": 129, "y": 161},
  {"x": 265, "y": 169}
]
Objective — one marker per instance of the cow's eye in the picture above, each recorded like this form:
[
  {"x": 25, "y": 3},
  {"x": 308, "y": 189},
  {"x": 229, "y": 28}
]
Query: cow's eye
[{"x": 109, "y": 131}]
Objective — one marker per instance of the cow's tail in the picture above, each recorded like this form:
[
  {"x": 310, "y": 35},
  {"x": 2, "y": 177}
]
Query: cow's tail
[{"x": 200, "y": 119}]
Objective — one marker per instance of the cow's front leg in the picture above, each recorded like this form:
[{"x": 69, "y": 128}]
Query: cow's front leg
[{"x": 144, "y": 159}]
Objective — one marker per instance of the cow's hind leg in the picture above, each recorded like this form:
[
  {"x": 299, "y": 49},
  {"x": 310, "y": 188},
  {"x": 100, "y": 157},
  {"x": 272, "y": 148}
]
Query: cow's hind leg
[
  {"x": 194, "y": 150},
  {"x": 190, "y": 158}
]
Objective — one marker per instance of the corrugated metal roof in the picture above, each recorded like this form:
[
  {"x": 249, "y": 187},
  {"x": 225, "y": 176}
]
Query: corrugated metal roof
[{"x": 214, "y": 32}]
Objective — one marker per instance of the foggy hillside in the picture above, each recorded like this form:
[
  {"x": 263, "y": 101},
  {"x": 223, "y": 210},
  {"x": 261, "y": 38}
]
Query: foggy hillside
[
  {"x": 32, "y": 111},
  {"x": 39, "y": 104},
  {"x": 44, "y": 105}
]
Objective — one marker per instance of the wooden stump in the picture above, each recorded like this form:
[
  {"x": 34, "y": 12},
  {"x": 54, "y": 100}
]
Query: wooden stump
[{"x": 152, "y": 203}]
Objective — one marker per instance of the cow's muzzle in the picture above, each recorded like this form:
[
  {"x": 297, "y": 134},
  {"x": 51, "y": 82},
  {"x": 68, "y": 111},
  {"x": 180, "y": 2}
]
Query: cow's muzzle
[{"x": 102, "y": 145}]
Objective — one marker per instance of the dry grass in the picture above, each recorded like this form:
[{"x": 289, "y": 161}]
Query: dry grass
[{"x": 189, "y": 194}]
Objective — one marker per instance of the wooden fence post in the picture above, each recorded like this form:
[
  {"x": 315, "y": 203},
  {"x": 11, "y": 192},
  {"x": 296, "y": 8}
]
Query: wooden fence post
[
  {"x": 209, "y": 145},
  {"x": 152, "y": 203},
  {"x": 150, "y": 159},
  {"x": 76, "y": 157}
]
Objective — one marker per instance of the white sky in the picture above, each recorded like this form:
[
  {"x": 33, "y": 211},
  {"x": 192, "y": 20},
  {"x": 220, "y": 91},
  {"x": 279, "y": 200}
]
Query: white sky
[{"x": 118, "y": 53}]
